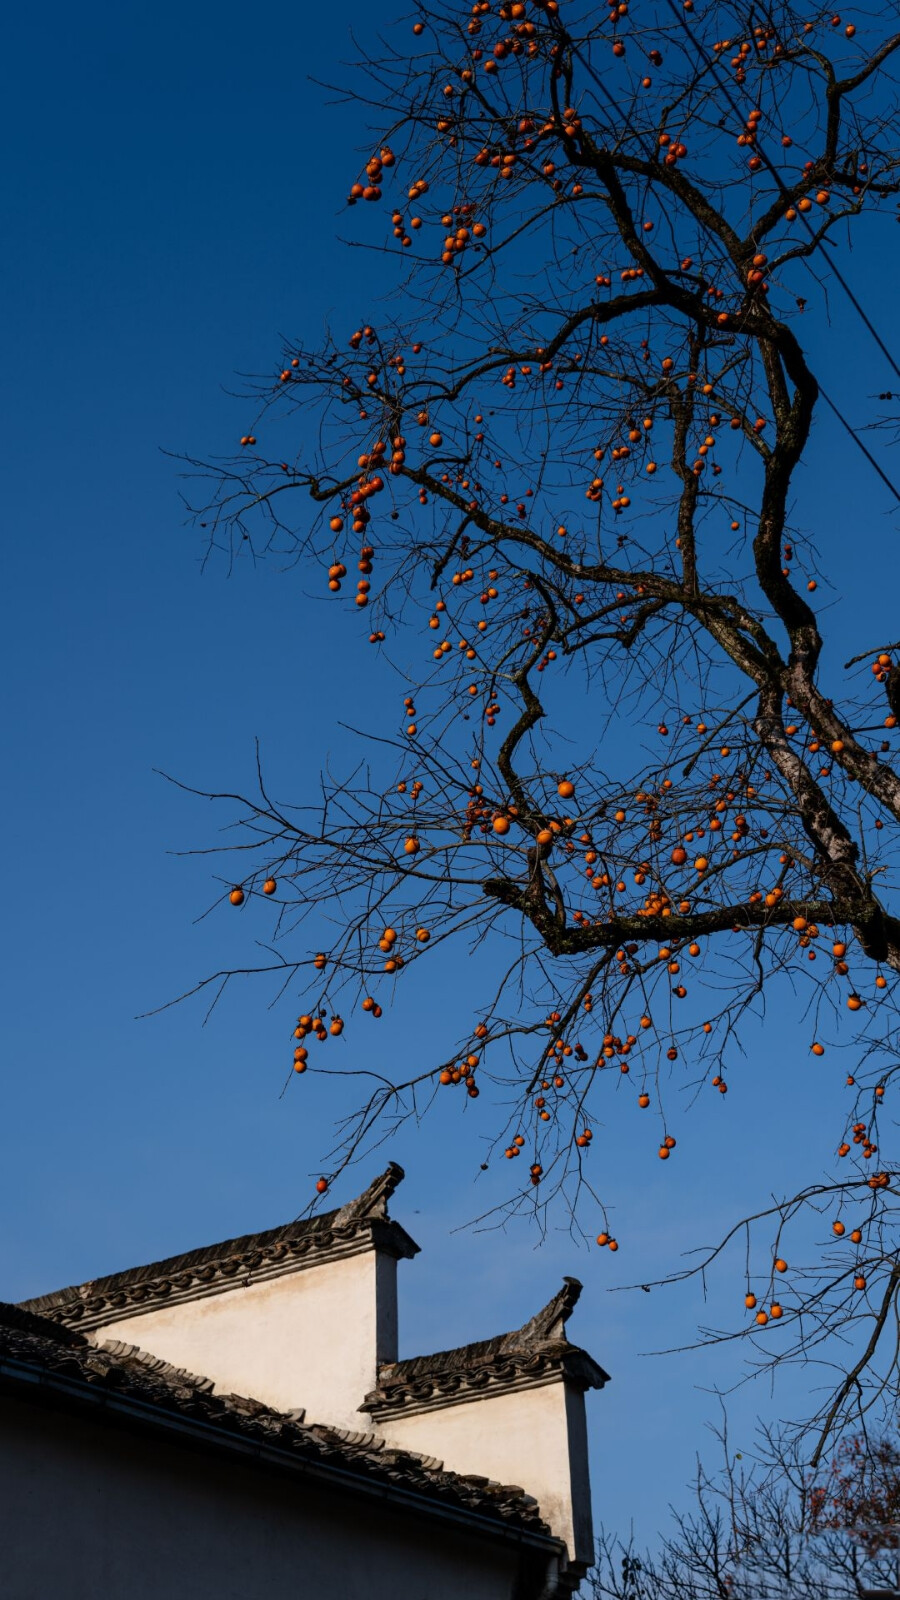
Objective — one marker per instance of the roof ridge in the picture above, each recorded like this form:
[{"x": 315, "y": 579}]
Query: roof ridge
[
  {"x": 20, "y": 1317},
  {"x": 538, "y": 1352},
  {"x": 547, "y": 1326},
  {"x": 203, "y": 1269}
]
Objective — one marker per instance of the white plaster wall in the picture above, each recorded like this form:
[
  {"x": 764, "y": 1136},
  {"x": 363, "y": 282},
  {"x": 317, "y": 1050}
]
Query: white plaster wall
[
  {"x": 93, "y": 1512},
  {"x": 312, "y": 1338},
  {"x": 536, "y": 1438}
]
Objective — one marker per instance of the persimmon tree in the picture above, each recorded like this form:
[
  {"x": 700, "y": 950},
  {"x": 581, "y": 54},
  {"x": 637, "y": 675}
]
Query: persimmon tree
[{"x": 561, "y": 475}]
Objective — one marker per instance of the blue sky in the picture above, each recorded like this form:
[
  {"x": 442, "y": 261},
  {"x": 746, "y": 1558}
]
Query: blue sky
[{"x": 173, "y": 195}]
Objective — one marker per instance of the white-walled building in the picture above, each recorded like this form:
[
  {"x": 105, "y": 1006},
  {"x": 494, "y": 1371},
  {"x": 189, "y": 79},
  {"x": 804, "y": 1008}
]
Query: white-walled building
[{"x": 305, "y": 1459}]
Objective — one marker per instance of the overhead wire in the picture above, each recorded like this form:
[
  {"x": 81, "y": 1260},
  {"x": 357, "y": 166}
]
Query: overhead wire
[
  {"x": 861, "y": 446},
  {"x": 861, "y": 312}
]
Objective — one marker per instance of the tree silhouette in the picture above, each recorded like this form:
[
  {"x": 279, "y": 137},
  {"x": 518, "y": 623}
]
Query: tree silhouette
[
  {"x": 754, "y": 1534},
  {"x": 568, "y": 464}
]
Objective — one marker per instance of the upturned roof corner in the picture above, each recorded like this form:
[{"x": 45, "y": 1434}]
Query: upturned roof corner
[
  {"x": 550, "y": 1322},
  {"x": 373, "y": 1202},
  {"x": 537, "y": 1353}
]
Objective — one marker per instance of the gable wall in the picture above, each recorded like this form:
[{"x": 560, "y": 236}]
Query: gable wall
[
  {"x": 534, "y": 1437},
  {"x": 310, "y": 1339}
]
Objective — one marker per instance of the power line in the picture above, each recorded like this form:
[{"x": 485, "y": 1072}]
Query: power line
[
  {"x": 713, "y": 64},
  {"x": 858, "y": 441},
  {"x": 844, "y": 285},
  {"x": 852, "y": 297}
]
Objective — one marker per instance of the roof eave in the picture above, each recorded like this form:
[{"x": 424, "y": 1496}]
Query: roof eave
[
  {"x": 403, "y": 1393},
  {"x": 36, "y": 1383}
]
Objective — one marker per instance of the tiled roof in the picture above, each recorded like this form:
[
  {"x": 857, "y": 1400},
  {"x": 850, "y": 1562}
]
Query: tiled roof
[
  {"x": 148, "y": 1391},
  {"x": 531, "y": 1355},
  {"x": 361, "y": 1224}
]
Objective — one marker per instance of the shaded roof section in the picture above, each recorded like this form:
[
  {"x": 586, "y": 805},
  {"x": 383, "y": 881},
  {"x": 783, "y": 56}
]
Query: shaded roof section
[
  {"x": 126, "y": 1383},
  {"x": 362, "y": 1224},
  {"x": 532, "y": 1355}
]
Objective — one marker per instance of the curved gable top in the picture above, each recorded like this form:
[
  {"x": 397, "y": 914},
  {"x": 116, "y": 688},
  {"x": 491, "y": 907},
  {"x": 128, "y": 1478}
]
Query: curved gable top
[
  {"x": 537, "y": 1353},
  {"x": 361, "y": 1225}
]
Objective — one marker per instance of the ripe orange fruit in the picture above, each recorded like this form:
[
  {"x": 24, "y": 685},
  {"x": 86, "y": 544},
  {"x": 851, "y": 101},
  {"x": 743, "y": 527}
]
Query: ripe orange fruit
[
  {"x": 565, "y": 789},
  {"x": 236, "y": 896},
  {"x": 269, "y": 886},
  {"x": 321, "y": 1186}
]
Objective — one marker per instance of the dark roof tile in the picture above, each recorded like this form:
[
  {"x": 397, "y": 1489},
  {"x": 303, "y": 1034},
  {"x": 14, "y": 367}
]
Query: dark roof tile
[
  {"x": 530, "y": 1355},
  {"x": 37, "y": 1344}
]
